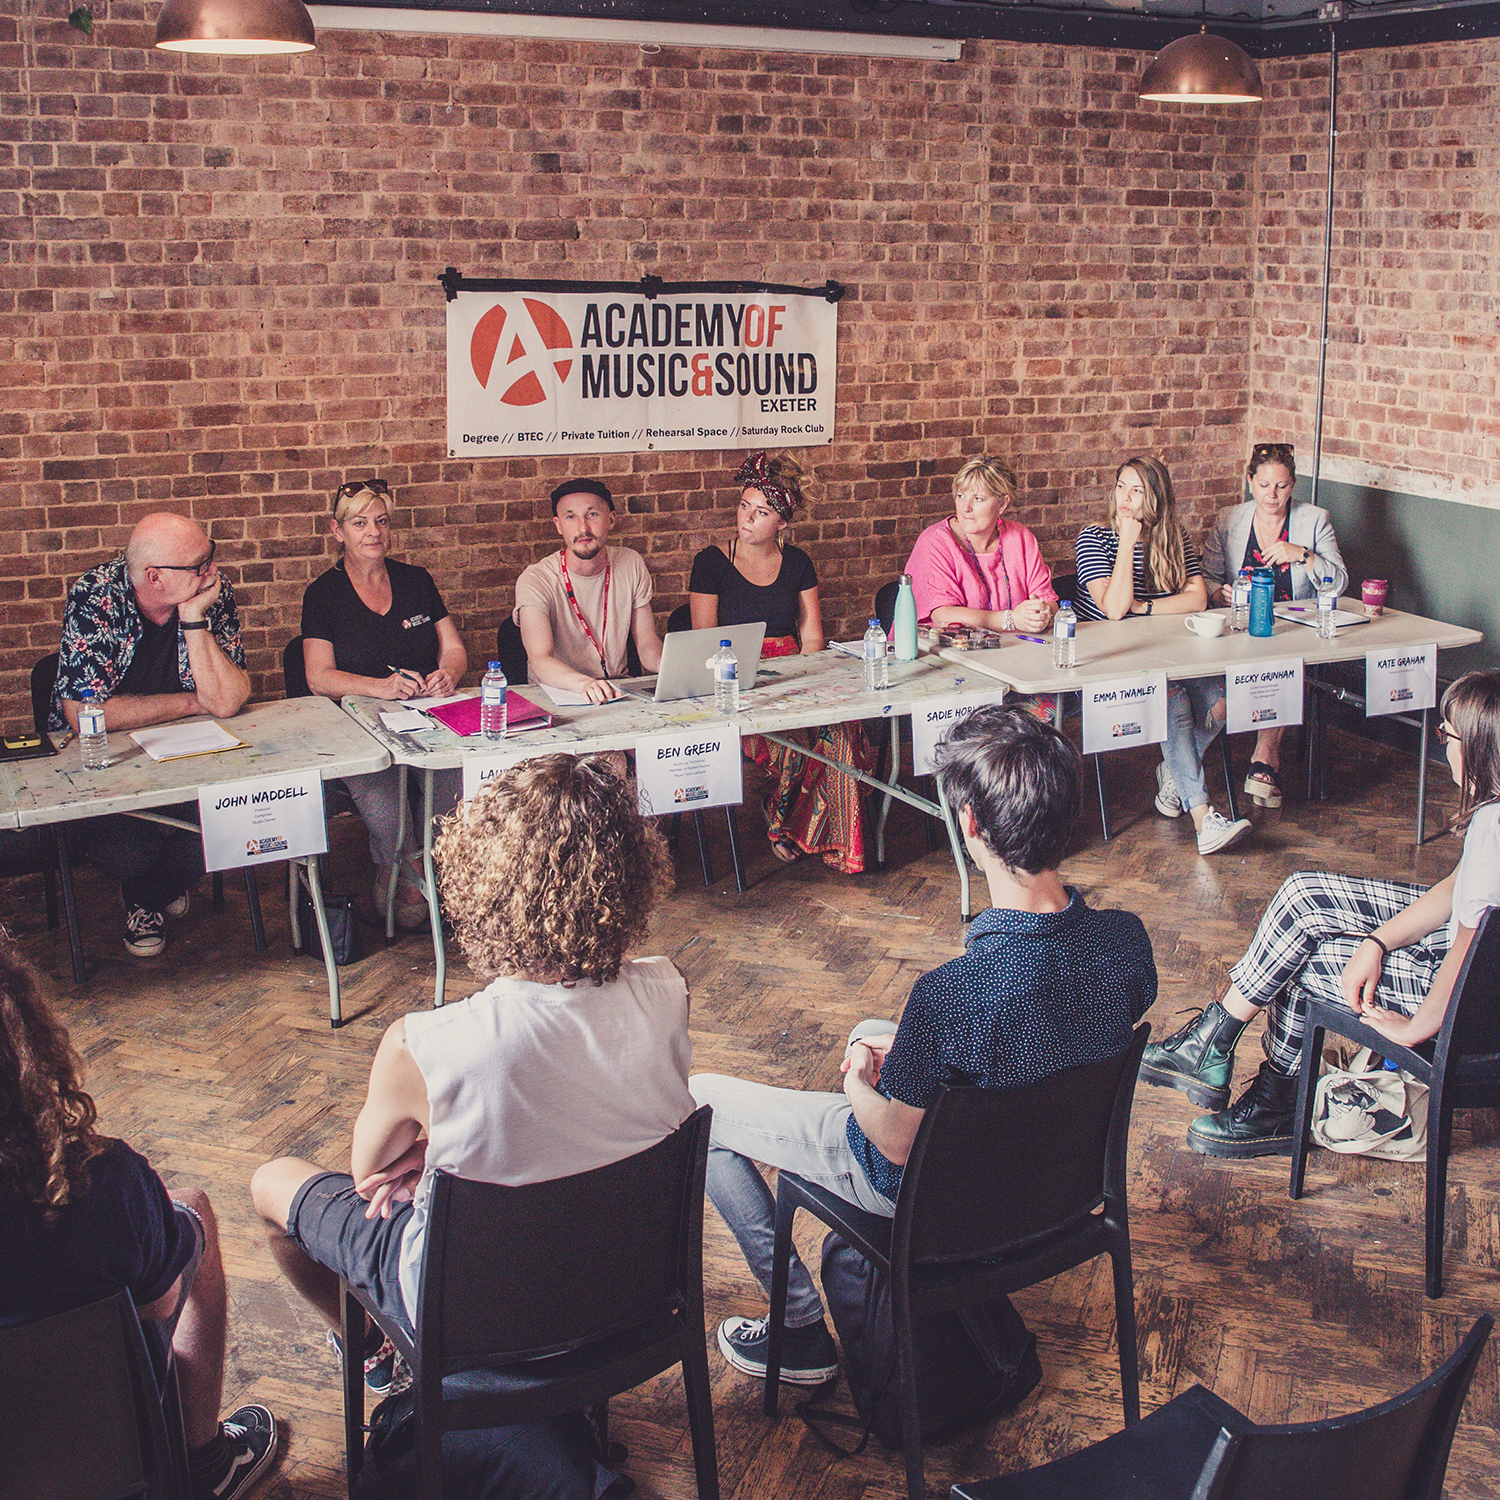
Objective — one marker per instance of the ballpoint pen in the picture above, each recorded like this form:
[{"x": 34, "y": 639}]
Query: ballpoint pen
[
  {"x": 1035, "y": 640},
  {"x": 402, "y": 672}
]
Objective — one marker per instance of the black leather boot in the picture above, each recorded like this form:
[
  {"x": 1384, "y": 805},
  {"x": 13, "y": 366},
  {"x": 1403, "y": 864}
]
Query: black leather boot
[
  {"x": 1259, "y": 1123},
  {"x": 1199, "y": 1059}
]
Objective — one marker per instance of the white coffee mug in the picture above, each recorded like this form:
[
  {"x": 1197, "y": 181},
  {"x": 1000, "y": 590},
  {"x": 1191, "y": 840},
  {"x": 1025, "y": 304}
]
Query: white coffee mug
[{"x": 1206, "y": 624}]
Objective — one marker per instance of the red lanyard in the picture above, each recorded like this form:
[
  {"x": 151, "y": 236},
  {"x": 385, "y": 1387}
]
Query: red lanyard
[{"x": 578, "y": 613}]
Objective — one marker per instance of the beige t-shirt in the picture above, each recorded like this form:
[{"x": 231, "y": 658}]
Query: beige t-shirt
[{"x": 541, "y": 585}]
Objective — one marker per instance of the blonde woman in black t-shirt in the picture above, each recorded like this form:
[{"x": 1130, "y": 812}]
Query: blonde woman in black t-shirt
[{"x": 378, "y": 628}]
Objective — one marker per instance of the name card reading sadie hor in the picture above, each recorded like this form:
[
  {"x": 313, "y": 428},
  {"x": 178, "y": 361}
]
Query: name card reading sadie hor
[
  {"x": 687, "y": 771},
  {"x": 931, "y": 720},
  {"x": 1127, "y": 711},
  {"x": 266, "y": 818},
  {"x": 1400, "y": 680},
  {"x": 1263, "y": 695}
]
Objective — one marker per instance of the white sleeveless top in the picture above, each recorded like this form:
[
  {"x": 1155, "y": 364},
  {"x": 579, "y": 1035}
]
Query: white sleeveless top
[{"x": 527, "y": 1082}]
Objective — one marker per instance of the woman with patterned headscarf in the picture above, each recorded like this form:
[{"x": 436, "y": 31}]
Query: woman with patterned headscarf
[{"x": 811, "y": 809}]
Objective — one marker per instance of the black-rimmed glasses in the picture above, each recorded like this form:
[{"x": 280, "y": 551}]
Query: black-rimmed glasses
[
  {"x": 200, "y": 568},
  {"x": 354, "y": 486},
  {"x": 1446, "y": 736}
]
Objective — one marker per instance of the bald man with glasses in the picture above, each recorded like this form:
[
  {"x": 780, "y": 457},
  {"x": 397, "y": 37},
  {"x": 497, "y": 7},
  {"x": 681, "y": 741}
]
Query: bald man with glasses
[{"x": 156, "y": 636}]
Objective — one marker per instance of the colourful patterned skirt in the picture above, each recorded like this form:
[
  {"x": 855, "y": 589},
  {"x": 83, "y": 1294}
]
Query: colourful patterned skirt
[{"x": 811, "y": 806}]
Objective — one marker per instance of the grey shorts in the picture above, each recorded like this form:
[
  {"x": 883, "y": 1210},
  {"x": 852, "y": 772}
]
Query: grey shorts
[{"x": 327, "y": 1219}]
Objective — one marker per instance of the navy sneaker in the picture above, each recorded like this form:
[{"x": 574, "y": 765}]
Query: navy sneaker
[
  {"x": 251, "y": 1436},
  {"x": 808, "y": 1356}
]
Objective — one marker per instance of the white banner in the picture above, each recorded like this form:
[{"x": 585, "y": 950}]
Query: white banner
[
  {"x": 263, "y": 819},
  {"x": 1126, "y": 711},
  {"x": 1263, "y": 695},
  {"x": 1400, "y": 680},
  {"x": 617, "y": 372},
  {"x": 687, "y": 771},
  {"x": 932, "y": 719}
]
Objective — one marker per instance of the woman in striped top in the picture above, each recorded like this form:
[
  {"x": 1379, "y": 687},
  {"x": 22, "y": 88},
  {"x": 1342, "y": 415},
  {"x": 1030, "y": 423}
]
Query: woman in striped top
[{"x": 1142, "y": 563}]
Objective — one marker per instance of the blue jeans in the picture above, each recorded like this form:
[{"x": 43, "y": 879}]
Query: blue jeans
[
  {"x": 790, "y": 1129},
  {"x": 1188, "y": 738}
]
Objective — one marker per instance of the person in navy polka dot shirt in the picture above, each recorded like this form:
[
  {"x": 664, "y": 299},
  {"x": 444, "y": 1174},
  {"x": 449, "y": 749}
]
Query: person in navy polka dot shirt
[{"x": 1045, "y": 983}]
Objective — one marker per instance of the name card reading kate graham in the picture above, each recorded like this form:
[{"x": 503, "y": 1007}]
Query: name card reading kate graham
[
  {"x": 1263, "y": 695},
  {"x": 1125, "y": 711},
  {"x": 267, "y": 818},
  {"x": 1400, "y": 680},
  {"x": 689, "y": 770}
]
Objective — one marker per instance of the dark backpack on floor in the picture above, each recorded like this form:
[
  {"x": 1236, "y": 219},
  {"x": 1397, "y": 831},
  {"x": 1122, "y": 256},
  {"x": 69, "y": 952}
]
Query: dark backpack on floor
[{"x": 972, "y": 1365}]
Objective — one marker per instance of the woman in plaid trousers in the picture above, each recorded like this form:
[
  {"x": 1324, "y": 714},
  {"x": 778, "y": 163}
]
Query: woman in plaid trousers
[{"x": 1388, "y": 949}]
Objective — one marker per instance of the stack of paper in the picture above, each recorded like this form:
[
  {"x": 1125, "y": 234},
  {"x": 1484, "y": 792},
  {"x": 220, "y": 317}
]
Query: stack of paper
[{"x": 177, "y": 741}]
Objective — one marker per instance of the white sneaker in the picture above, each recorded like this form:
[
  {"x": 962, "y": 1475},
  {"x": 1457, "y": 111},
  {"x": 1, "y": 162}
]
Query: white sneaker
[
  {"x": 143, "y": 932},
  {"x": 1219, "y": 833},
  {"x": 179, "y": 907},
  {"x": 1168, "y": 803}
]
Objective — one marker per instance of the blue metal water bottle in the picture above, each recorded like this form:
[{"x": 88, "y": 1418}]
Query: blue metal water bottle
[{"x": 1262, "y": 601}]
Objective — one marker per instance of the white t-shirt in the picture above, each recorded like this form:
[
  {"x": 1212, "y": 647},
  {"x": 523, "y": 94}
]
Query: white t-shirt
[
  {"x": 541, "y": 587},
  {"x": 528, "y": 1082},
  {"x": 1478, "y": 883}
]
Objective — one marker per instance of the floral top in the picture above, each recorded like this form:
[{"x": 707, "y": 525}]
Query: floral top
[{"x": 102, "y": 626}]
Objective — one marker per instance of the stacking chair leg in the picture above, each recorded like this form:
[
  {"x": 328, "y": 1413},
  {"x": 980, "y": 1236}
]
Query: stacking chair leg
[
  {"x": 1312, "y": 1049},
  {"x": 70, "y": 905},
  {"x": 695, "y": 1380},
  {"x": 1130, "y": 1363},
  {"x": 1439, "y": 1141},
  {"x": 49, "y": 891},
  {"x": 354, "y": 1387},
  {"x": 218, "y": 886},
  {"x": 911, "y": 1416},
  {"x": 781, "y": 1262}
]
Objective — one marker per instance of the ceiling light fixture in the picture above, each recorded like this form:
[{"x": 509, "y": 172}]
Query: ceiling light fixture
[
  {"x": 235, "y": 28},
  {"x": 1201, "y": 69}
]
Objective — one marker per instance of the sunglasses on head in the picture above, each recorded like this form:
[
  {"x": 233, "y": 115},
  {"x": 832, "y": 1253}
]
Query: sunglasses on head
[
  {"x": 1262, "y": 451},
  {"x": 354, "y": 486}
]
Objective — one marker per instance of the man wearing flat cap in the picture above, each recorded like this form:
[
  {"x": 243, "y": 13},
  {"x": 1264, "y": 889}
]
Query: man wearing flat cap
[{"x": 578, "y": 607}]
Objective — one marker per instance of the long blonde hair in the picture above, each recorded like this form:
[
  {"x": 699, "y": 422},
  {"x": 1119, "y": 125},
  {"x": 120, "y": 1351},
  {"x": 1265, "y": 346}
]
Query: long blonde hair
[{"x": 1163, "y": 545}]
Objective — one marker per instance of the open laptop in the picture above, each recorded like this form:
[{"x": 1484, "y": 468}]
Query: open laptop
[{"x": 684, "y": 671}]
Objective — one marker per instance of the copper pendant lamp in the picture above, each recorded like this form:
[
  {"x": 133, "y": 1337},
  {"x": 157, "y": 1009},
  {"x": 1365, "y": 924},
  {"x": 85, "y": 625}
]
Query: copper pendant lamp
[
  {"x": 1201, "y": 69},
  {"x": 235, "y": 28}
]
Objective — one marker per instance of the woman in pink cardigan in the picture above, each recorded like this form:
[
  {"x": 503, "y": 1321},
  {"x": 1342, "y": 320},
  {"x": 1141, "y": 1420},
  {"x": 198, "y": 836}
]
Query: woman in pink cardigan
[{"x": 977, "y": 568}]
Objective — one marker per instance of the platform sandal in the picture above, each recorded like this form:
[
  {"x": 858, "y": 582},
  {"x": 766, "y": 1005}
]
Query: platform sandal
[{"x": 1263, "y": 784}]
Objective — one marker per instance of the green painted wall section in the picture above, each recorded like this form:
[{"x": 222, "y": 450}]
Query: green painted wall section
[{"x": 1441, "y": 560}]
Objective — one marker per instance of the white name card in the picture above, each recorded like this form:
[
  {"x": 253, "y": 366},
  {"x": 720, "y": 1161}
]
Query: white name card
[
  {"x": 263, "y": 819},
  {"x": 686, "y": 771},
  {"x": 1263, "y": 695},
  {"x": 1400, "y": 680},
  {"x": 481, "y": 769},
  {"x": 1126, "y": 711},
  {"x": 932, "y": 719}
]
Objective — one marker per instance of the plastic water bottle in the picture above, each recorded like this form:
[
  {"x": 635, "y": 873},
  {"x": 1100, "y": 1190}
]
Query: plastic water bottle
[
  {"x": 492, "y": 708},
  {"x": 904, "y": 621},
  {"x": 726, "y": 670},
  {"x": 1239, "y": 612},
  {"x": 1065, "y": 636},
  {"x": 93, "y": 738},
  {"x": 877, "y": 663},
  {"x": 1327, "y": 601}
]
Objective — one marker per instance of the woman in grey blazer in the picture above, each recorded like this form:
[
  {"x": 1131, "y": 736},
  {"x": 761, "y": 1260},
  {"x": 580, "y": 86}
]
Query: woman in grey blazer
[{"x": 1297, "y": 543}]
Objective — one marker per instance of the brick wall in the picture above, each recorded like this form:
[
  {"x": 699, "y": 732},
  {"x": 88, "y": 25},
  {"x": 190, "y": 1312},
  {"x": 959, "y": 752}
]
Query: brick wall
[
  {"x": 1413, "y": 381},
  {"x": 217, "y": 290}
]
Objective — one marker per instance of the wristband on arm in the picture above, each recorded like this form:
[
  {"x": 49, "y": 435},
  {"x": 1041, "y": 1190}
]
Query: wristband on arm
[{"x": 1370, "y": 937}]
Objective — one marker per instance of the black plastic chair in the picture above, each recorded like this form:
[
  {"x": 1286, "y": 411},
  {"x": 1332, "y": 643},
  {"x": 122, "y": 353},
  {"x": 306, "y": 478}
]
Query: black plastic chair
[
  {"x": 1460, "y": 1065},
  {"x": 1003, "y": 1188},
  {"x": 551, "y": 1297},
  {"x": 681, "y": 618},
  {"x": 80, "y": 1416},
  {"x": 1198, "y": 1447},
  {"x": 510, "y": 652}
]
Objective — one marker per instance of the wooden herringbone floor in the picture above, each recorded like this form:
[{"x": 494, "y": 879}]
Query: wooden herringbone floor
[{"x": 213, "y": 1058}]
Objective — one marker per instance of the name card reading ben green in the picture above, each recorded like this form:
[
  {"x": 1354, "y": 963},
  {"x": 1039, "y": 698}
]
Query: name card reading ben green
[
  {"x": 262, "y": 819},
  {"x": 1263, "y": 695},
  {"x": 1400, "y": 680},
  {"x": 689, "y": 770},
  {"x": 931, "y": 720},
  {"x": 1125, "y": 711}
]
